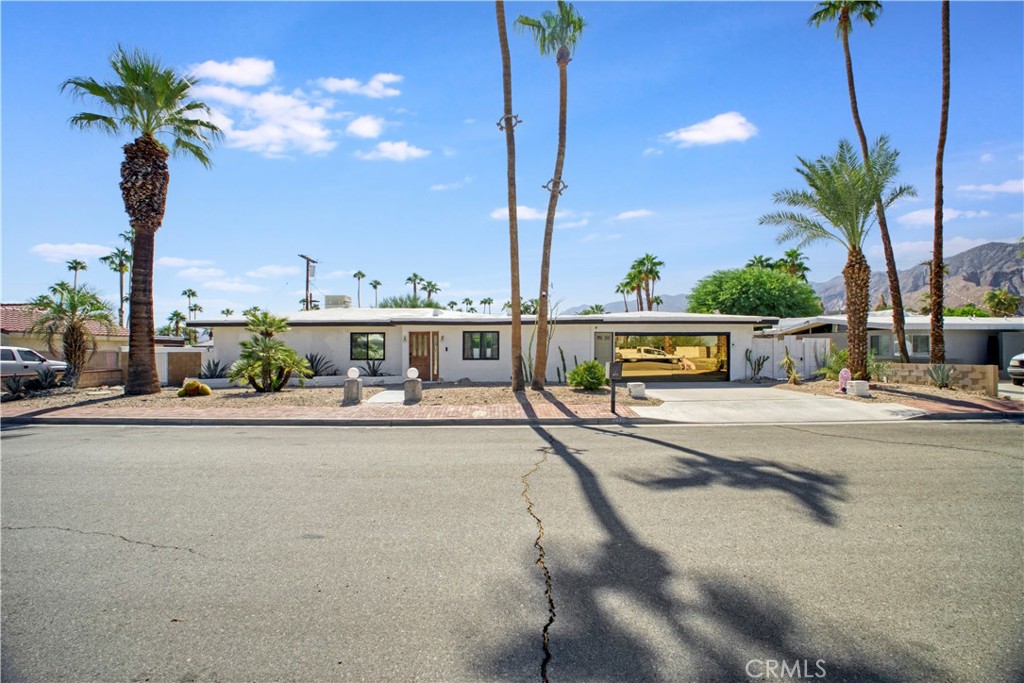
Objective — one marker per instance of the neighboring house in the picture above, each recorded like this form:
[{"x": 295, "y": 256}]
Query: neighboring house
[
  {"x": 15, "y": 319},
  {"x": 451, "y": 345},
  {"x": 969, "y": 341}
]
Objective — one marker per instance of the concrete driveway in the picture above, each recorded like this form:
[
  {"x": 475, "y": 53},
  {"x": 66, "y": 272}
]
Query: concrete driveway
[
  {"x": 1010, "y": 390},
  {"x": 738, "y": 403}
]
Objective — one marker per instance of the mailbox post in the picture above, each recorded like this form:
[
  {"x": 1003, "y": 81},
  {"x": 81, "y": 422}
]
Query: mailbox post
[{"x": 615, "y": 375}]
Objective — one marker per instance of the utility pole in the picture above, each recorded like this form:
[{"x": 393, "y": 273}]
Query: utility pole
[{"x": 309, "y": 271}]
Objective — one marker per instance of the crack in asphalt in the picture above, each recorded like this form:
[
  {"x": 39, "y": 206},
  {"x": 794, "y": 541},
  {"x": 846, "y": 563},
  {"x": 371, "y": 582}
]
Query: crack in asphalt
[
  {"x": 548, "y": 593},
  {"x": 155, "y": 546}
]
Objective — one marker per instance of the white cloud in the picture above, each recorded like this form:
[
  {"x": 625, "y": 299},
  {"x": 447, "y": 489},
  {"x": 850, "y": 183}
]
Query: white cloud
[
  {"x": 523, "y": 213},
  {"x": 271, "y": 123},
  {"x": 457, "y": 185},
  {"x": 376, "y": 87},
  {"x": 985, "y": 158},
  {"x": 55, "y": 253},
  {"x": 200, "y": 273},
  {"x": 1008, "y": 187},
  {"x": 231, "y": 285},
  {"x": 924, "y": 217},
  {"x": 175, "y": 262},
  {"x": 653, "y": 152},
  {"x": 729, "y": 127},
  {"x": 912, "y": 253},
  {"x": 239, "y": 71},
  {"x": 274, "y": 271},
  {"x": 366, "y": 127},
  {"x": 394, "y": 151},
  {"x": 636, "y": 213}
]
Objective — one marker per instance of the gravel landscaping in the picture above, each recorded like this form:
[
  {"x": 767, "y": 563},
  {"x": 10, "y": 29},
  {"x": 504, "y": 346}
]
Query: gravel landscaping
[{"x": 883, "y": 393}]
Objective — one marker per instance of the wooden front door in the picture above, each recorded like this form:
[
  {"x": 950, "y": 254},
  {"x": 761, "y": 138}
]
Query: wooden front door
[{"x": 423, "y": 347}]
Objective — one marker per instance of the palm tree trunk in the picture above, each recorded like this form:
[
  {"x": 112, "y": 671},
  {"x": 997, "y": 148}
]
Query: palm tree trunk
[
  {"x": 144, "y": 180},
  {"x": 541, "y": 361},
  {"x": 120, "y": 298},
  {"x": 625, "y": 303},
  {"x": 518, "y": 379},
  {"x": 937, "y": 345},
  {"x": 883, "y": 226},
  {"x": 857, "y": 276}
]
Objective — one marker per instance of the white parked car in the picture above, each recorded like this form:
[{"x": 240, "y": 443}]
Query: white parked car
[
  {"x": 26, "y": 362},
  {"x": 1016, "y": 369}
]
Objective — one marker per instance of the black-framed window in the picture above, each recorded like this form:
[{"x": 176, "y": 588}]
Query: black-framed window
[
  {"x": 367, "y": 346},
  {"x": 479, "y": 346}
]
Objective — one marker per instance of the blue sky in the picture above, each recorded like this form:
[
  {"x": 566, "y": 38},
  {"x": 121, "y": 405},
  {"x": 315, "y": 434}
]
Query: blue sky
[{"x": 363, "y": 135}]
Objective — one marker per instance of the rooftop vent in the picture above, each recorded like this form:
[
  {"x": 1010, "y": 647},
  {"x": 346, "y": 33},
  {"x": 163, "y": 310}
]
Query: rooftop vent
[{"x": 337, "y": 301}]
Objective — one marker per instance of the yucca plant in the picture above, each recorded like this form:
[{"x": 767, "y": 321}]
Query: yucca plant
[
  {"x": 320, "y": 366},
  {"x": 941, "y": 375},
  {"x": 788, "y": 363}
]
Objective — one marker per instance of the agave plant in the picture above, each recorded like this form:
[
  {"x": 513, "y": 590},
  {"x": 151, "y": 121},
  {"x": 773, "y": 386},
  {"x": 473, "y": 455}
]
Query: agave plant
[
  {"x": 15, "y": 386},
  {"x": 47, "y": 378},
  {"x": 941, "y": 375},
  {"x": 373, "y": 368},
  {"x": 213, "y": 369},
  {"x": 320, "y": 366}
]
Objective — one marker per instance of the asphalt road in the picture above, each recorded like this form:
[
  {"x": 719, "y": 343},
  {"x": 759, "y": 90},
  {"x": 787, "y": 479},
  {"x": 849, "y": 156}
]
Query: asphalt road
[{"x": 886, "y": 552}]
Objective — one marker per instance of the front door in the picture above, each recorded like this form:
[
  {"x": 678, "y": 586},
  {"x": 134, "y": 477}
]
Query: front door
[{"x": 423, "y": 354}]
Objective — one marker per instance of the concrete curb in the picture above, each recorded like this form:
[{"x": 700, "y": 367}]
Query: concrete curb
[
  {"x": 982, "y": 415},
  {"x": 322, "y": 422}
]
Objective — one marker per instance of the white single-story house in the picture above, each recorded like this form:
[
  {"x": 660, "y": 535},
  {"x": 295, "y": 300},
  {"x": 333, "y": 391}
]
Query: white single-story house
[
  {"x": 448, "y": 345},
  {"x": 969, "y": 341}
]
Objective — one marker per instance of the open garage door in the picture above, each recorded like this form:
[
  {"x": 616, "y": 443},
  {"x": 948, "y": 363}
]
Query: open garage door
[{"x": 673, "y": 357}]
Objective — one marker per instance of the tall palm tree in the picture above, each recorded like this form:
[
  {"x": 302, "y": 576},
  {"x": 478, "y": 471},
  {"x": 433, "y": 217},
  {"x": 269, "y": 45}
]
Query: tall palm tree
[
  {"x": 508, "y": 124},
  {"x": 415, "y": 281},
  {"x": 227, "y": 312},
  {"x": 146, "y": 101},
  {"x": 467, "y": 302},
  {"x": 656, "y": 300},
  {"x": 760, "y": 261},
  {"x": 431, "y": 288},
  {"x": 555, "y": 33},
  {"x": 841, "y": 202},
  {"x": 648, "y": 268},
  {"x": 176, "y": 320},
  {"x": 844, "y": 13},
  {"x": 487, "y": 301},
  {"x": 193, "y": 309},
  {"x": 189, "y": 294},
  {"x": 76, "y": 265},
  {"x": 375, "y": 285},
  {"x": 937, "y": 342},
  {"x": 119, "y": 261},
  {"x": 622, "y": 288},
  {"x": 634, "y": 283},
  {"x": 792, "y": 262},
  {"x": 359, "y": 275},
  {"x": 68, "y": 313}
]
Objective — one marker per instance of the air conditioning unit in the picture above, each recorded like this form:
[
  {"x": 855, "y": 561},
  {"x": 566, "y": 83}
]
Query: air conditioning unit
[{"x": 337, "y": 301}]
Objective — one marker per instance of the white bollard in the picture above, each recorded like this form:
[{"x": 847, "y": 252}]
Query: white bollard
[
  {"x": 637, "y": 389},
  {"x": 858, "y": 387}
]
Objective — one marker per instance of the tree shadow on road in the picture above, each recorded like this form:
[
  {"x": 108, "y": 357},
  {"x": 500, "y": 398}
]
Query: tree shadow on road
[{"x": 622, "y": 617}]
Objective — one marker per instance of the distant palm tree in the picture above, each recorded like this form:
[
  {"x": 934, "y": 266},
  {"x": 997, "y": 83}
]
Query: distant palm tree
[
  {"x": 68, "y": 312},
  {"x": 452, "y": 304},
  {"x": 415, "y": 281},
  {"x": 375, "y": 285},
  {"x": 359, "y": 275},
  {"x": 487, "y": 302},
  {"x": 648, "y": 269},
  {"x": 634, "y": 281},
  {"x": 842, "y": 193},
  {"x": 792, "y": 262},
  {"x": 656, "y": 300},
  {"x": 119, "y": 261},
  {"x": 529, "y": 307},
  {"x": 1002, "y": 303},
  {"x": 555, "y": 33},
  {"x": 508, "y": 125},
  {"x": 937, "y": 340},
  {"x": 431, "y": 288},
  {"x": 760, "y": 262},
  {"x": 189, "y": 294},
  {"x": 467, "y": 302},
  {"x": 76, "y": 265},
  {"x": 195, "y": 308},
  {"x": 227, "y": 312},
  {"x": 176, "y": 319},
  {"x": 147, "y": 101},
  {"x": 593, "y": 309},
  {"x": 844, "y": 13},
  {"x": 313, "y": 304},
  {"x": 622, "y": 288},
  {"x": 253, "y": 310}
]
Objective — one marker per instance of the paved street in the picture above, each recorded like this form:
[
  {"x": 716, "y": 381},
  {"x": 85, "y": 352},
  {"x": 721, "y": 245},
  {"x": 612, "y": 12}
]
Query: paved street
[{"x": 872, "y": 552}]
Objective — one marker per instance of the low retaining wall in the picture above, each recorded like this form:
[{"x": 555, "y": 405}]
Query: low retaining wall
[
  {"x": 969, "y": 377},
  {"x": 100, "y": 378}
]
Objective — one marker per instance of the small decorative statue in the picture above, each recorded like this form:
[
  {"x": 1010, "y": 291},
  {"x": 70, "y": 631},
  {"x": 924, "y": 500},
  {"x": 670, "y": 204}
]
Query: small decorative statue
[{"x": 844, "y": 378}]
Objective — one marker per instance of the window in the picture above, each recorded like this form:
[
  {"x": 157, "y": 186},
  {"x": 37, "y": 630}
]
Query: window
[
  {"x": 479, "y": 346},
  {"x": 30, "y": 356},
  {"x": 367, "y": 346},
  {"x": 919, "y": 345},
  {"x": 7, "y": 354}
]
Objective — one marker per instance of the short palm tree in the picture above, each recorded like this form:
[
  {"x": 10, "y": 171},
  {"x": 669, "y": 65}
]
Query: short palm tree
[
  {"x": 265, "y": 362},
  {"x": 792, "y": 262},
  {"x": 657, "y": 302},
  {"x": 375, "y": 285},
  {"x": 1002, "y": 303},
  {"x": 359, "y": 275},
  {"x": 760, "y": 261},
  {"x": 119, "y": 261},
  {"x": 452, "y": 305},
  {"x": 68, "y": 313},
  {"x": 415, "y": 281},
  {"x": 593, "y": 309},
  {"x": 467, "y": 302},
  {"x": 431, "y": 288},
  {"x": 175, "y": 320},
  {"x": 845, "y": 13},
  {"x": 840, "y": 201},
  {"x": 227, "y": 312},
  {"x": 76, "y": 265},
  {"x": 555, "y": 33},
  {"x": 147, "y": 101}
]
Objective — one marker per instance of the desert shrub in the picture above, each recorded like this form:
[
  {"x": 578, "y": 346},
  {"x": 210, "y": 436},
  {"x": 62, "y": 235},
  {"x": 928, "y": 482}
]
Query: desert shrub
[
  {"x": 587, "y": 375},
  {"x": 266, "y": 363},
  {"x": 15, "y": 386},
  {"x": 320, "y": 366},
  {"x": 788, "y": 363},
  {"x": 838, "y": 359},
  {"x": 213, "y": 369},
  {"x": 374, "y": 368},
  {"x": 194, "y": 388},
  {"x": 46, "y": 378},
  {"x": 941, "y": 375}
]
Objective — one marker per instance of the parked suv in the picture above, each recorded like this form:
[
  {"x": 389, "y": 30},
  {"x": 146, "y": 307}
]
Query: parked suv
[
  {"x": 1016, "y": 369},
  {"x": 18, "y": 361}
]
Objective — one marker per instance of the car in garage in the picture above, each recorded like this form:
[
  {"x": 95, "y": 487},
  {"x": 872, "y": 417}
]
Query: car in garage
[
  {"x": 15, "y": 360},
  {"x": 1016, "y": 369}
]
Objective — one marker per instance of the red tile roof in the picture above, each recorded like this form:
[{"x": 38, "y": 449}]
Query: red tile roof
[{"x": 16, "y": 318}]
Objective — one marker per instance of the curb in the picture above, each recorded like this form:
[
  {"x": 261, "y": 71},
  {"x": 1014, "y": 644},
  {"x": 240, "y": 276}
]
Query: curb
[
  {"x": 979, "y": 415},
  {"x": 321, "y": 422}
]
